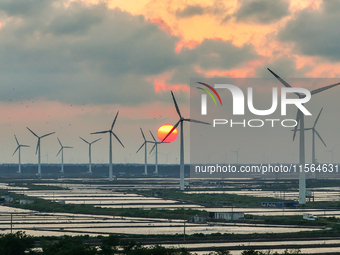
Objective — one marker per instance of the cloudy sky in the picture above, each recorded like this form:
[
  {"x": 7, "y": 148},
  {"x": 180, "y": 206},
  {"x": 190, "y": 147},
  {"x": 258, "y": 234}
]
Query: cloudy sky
[{"x": 69, "y": 66}]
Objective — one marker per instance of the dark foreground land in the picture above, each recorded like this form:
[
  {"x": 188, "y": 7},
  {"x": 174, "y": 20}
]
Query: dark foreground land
[{"x": 19, "y": 244}]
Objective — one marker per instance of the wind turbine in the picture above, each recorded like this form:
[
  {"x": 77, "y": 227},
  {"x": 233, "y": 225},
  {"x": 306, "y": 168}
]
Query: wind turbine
[
  {"x": 90, "y": 144},
  {"x": 236, "y": 152},
  {"x": 110, "y": 149},
  {"x": 301, "y": 120},
  {"x": 332, "y": 153},
  {"x": 317, "y": 133},
  {"x": 313, "y": 139},
  {"x": 166, "y": 156},
  {"x": 62, "y": 154},
  {"x": 225, "y": 158},
  {"x": 38, "y": 148},
  {"x": 19, "y": 152},
  {"x": 156, "y": 153},
  {"x": 145, "y": 153},
  {"x": 293, "y": 156},
  {"x": 181, "y": 120},
  {"x": 46, "y": 157}
]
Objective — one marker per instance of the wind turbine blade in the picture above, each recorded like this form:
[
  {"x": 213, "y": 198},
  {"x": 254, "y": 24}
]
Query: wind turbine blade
[
  {"x": 196, "y": 121},
  {"x": 298, "y": 116},
  {"x": 25, "y": 145},
  {"x": 320, "y": 137},
  {"x": 177, "y": 108},
  {"x": 96, "y": 140},
  {"x": 16, "y": 139},
  {"x": 114, "y": 121},
  {"x": 315, "y": 91},
  {"x": 118, "y": 139},
  {"x": 283, "y": 82},
  {"x": 152, "y": 148},
  {"x": 16, "y": 150},
  {"x": 141, "y": 147},
  {"x": 67, "y": 147},
  {"x": 101, "y": 132},
  {"x": 32, "y": 132},
  {"x": 153, "y": 136},
  {"x": 143, "y": 134},
  {"x": 172, "y": 130},
  {"x": 84, "y": 140},
  {"x": 317, "y": 118},
  {"x": 38, "y": 145},
  {"x": 47, "y": 134},
  {"x": 59, "y": 151},
  {"x": 59, "y": 142}
]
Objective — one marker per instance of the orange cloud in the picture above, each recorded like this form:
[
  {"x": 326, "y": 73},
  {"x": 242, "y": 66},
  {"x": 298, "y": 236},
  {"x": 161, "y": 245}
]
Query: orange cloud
[{"x": 160, "y": 83}]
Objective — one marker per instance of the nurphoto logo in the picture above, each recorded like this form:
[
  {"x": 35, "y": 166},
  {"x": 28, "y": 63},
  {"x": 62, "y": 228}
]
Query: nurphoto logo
[{"x": 239, "y": 104}]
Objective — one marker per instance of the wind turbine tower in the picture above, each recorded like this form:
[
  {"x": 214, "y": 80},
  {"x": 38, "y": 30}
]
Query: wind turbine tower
[
  {"x": 19, "y": 152},
  {"x": 62, "y": 154},
  {"x": 145, "y": 152},
  {"x": 237, "y": 154},
  {"x": 301, "y": 121},
  {"x": 110, "y": 146},
  {"x": 181, "y": 120},
  {"x": 38, "y": 150},
  {"x": 156, "y": 154},
  {"x": 332, "y": 154},
  {"x": 90, "y": 161},
  {"x": 313, "y": 137}
]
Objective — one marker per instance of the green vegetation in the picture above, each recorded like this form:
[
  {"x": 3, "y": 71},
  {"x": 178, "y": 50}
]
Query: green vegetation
[
  {"x": 16, "y": 244},
  {"x": 20, "y": 244},
  {"x": 286, "y": 220},
  {"x": 209, "y": 199},
  {"x": 42, "y": 205}
]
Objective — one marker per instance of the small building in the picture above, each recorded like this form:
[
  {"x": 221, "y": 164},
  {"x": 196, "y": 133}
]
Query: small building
[
  {"x": 226, "y": 215},
  {"x": 26, "y": 201},
  {"x": 279, "y": 204},
  {"x": 199, "y": 219},
  {"x": 7, "y": 198}
]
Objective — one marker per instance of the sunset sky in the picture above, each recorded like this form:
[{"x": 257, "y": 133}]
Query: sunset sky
[{"x": 69, "y": 66}]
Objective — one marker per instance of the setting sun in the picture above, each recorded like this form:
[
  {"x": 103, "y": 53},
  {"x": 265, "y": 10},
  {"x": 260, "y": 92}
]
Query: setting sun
[{"x": 164, "y": 130}]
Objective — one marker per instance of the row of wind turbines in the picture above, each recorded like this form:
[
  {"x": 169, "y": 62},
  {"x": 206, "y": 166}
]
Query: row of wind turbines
[
  {"x": 180, "y": 122},
  {"x": 112, "y": 134},
  {"x": 38, "y": 151}
]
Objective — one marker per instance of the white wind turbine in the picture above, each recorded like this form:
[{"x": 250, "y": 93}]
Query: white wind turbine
[
  {"x": 332, "y": 153},
  {"x": 62, "y": 154},
  {"x": 181, "y": 120},
  {"x": 166, "y": 156},
  {"x": 313, "y": 139},
  {"x": 38, "y": 150},
  {"x": 110, "y": 148},
  {"x": 301, "y": 121},
  {"x": 317, "y": 133},
  {"x": 237, "y": 154},
  {"x": 19, "y": 152},
  {"x": 156, "y": 153},
  {"x": 145, "y": 152},
  {"x": 90, "y": 144},
  {"x": 293, "y": 156},
  {"x": 46, "y": 157}
]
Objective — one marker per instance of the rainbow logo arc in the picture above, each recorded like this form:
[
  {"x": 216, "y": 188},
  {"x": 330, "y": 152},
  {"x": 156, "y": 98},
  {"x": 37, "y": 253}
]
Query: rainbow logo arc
[{"x": 209, "y": 93}]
